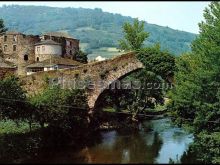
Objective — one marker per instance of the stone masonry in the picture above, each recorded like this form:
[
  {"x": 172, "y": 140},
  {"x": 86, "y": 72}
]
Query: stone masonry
[{"x": 103, "y": 71}]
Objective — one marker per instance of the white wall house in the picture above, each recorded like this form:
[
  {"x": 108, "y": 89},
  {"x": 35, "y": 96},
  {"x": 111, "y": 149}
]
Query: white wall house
[{"x": 47, "y": 49}]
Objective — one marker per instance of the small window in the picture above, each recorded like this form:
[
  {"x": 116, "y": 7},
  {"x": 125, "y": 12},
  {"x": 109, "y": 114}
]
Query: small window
[
  {"x": 25, "y": 57},
  {"x": 5, "y": 38},
  {"x": 67, "y": 43},
  {"x": 15, "y": 38},
  {"x": 14, "y": 47},
  {"x": 37, "y": 59},
  {"x": 38, "y": 49},
  {"x": 5, "y": 48},
  {"x": 43, "y": 48}
]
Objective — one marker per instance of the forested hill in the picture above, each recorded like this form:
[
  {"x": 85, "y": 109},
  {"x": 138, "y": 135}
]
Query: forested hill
[{"x": 95, "y": 29}]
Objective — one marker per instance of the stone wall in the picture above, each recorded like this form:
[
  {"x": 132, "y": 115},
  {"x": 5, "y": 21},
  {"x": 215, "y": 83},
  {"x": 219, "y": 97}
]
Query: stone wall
[
  {"x": 68, "y": 51},
  {"x": 21, "y": 42},
  {"x": 4, "y": 72},
  {"x": 103, "y": 71},
  {"x": 27, "y": 45}
]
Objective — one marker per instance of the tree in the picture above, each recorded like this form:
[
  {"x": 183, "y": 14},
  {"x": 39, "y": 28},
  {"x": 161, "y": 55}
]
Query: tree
[
  {"x": 134, "y": 36},
  {"x": 81, "y": 56},
  {"x": 3, "y": 29},
  {"x": 155, "y": 78},
  {"x": 148, "y": 84},
  {"x": 12, "y": 100},
  {"x": 196, "y": 95},
  {"x": 56, "y": 107},
  {"x": 159, "y": 67},
  {"x": 197, "y": 80},
  {"x": 160, "y": 62}
]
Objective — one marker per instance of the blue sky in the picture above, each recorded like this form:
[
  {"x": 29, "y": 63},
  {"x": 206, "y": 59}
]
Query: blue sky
[{"x": 177, "y": 15}]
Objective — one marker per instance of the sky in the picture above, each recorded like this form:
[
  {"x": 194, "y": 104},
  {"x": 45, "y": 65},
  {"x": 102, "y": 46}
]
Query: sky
[{"x": 180, "y": 15}]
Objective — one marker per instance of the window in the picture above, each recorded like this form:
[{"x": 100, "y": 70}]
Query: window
[
  {"x": 15, "y": 38},
  {"x": 5, "y": 38},
  {"x": 71, "y": 52},
  {"x": 56, "y": 67},
  {"x": 37, "y": 59},
  {"x": 67, "y": 43},
  {"x": 43, "y": 48},
  {"x": 25, "y": 57},
  {"x": 36, "y": 69},
  {"x": 38, "y": 49},
  {"x": 14, "y": 47},
  {"x": 5, "y": 48}
]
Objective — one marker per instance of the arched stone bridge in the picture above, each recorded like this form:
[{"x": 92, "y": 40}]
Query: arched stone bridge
[{"x": 104, "y": 72}]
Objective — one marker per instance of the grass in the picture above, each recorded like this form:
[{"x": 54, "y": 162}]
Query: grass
[
  {"x": 111, "y": 109},
  {"x": 160, "y": 107},
  {"x": 10, "y": 127}
]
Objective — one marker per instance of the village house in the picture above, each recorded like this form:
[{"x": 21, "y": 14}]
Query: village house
[{"x": 33, "y": 53}]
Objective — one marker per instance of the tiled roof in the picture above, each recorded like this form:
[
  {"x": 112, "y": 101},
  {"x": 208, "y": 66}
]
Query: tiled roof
[
  {"x": 54, "y": 61},
  {"x": 47, "y": 42},
  {"x": 36, "y": 65}
]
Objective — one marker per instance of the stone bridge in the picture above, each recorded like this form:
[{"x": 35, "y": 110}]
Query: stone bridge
[{"x": 101, "y": 74}]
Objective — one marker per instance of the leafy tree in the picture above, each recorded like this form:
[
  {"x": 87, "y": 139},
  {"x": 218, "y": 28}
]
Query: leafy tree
[
  {"x": 197, "y": 80},
  {"x": 159, "y": 67},
  {"x": 56, "y": 107},
  {"x": 160, "y": 62},
  {"x": 3, "y": 29},
  {"x": 134, "y": 36},
  {"x": 12, "y": 99},
  {"x": 197, "y": 85},
  {"x": 155, "y": 78},
  {"x": 81, "y": 56}
]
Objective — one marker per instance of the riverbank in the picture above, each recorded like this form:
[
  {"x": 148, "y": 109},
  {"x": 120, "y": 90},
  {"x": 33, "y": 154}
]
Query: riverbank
[{"x": 110, "y": 119}]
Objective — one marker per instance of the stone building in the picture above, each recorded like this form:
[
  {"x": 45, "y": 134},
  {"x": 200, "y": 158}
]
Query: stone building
[
  {"x": 69, "y": 45},
  {"x": 23, "y": 50},
  {"x": 47, "y": 49}
]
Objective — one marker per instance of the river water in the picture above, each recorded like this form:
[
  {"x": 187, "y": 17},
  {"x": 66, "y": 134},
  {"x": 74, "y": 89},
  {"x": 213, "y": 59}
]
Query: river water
[{"x": 156, "y": 142}]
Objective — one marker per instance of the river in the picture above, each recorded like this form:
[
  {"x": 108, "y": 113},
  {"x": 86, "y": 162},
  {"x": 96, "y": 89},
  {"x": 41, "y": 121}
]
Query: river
[{"x": 156, "y": 142}]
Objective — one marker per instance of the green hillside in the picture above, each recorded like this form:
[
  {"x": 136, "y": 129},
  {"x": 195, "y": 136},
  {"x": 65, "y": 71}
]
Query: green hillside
[{"x": 98, "y": 31}]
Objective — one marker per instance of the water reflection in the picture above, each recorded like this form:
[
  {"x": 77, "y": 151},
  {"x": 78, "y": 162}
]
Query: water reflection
[
  {"x": 123, "y": 149},
  {"x": 156, "y": 142},
  {"x": 157, "y": 146}
]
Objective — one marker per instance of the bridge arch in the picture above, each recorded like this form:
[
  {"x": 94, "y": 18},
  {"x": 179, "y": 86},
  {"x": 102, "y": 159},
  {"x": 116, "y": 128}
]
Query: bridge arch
[
  {"x": 116, "y": 83},
  {"x": 124, "y": 68}
]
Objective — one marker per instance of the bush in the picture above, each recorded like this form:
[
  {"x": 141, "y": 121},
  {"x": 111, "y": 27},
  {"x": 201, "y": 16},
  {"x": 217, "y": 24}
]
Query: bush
[
  {"x": 13, "y": 103},
  {"x": 57, "y": 107}
]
